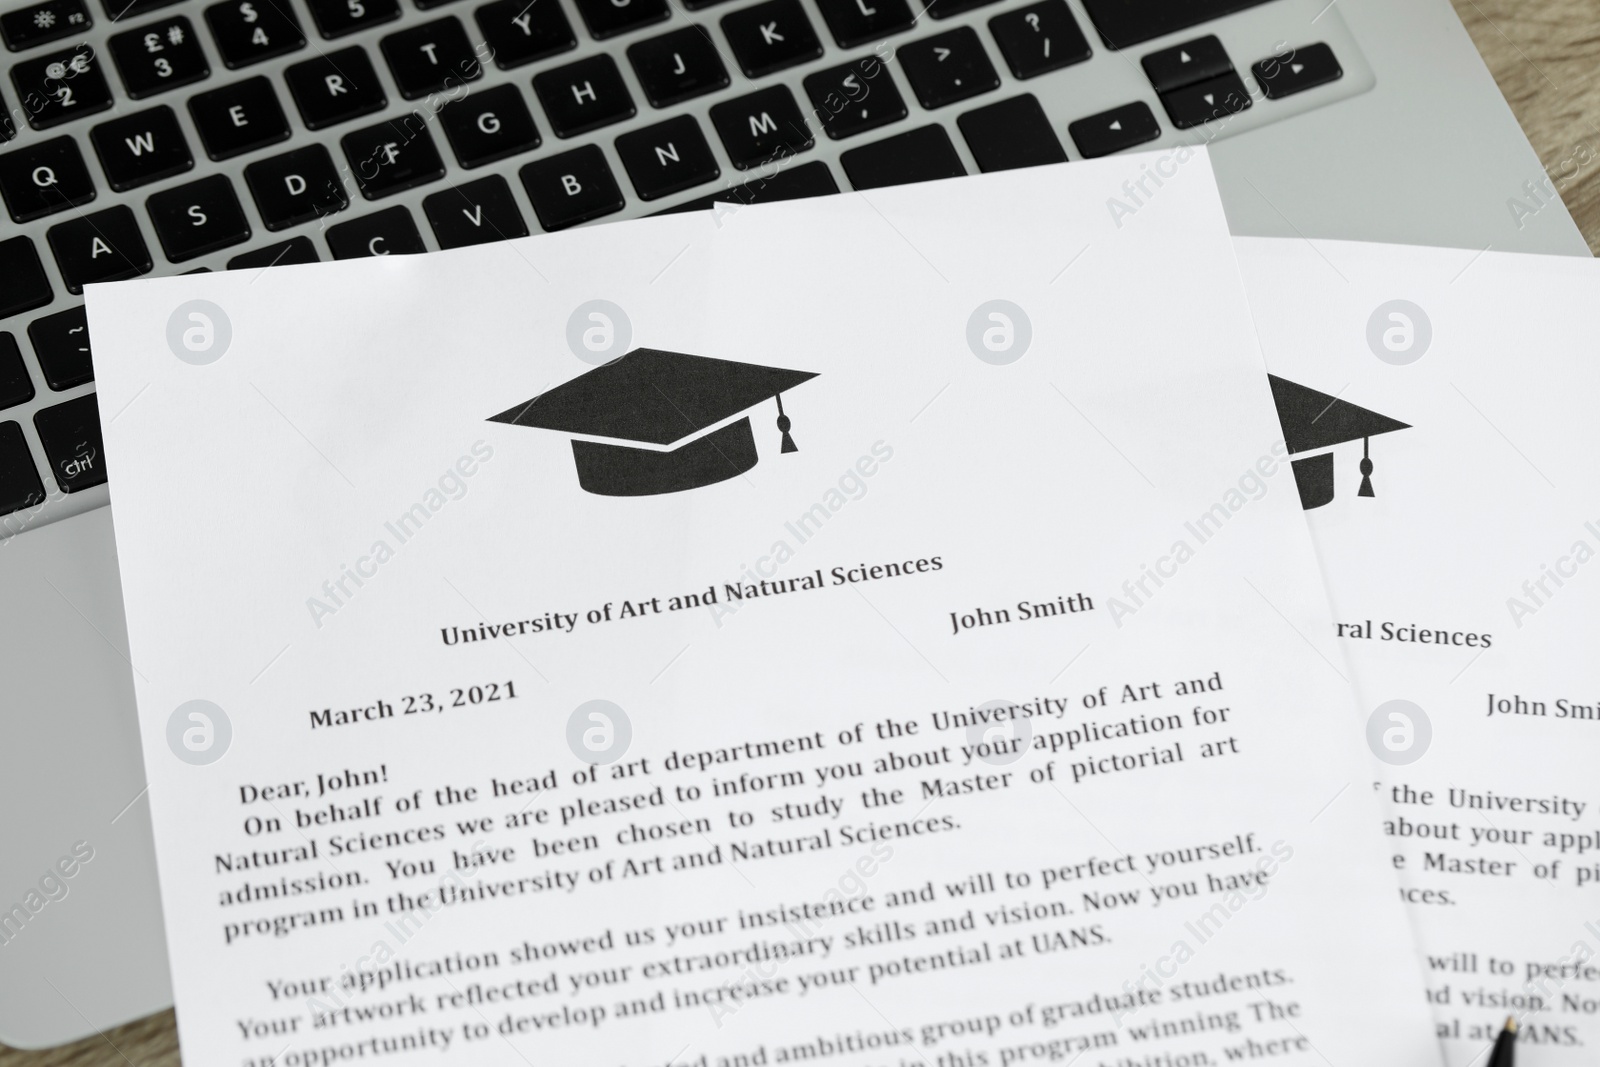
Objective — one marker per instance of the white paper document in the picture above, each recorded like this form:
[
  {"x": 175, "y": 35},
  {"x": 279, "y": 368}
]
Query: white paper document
[
  {"x": 1467, "y": 597},
  {"x": 823, "y": 633}
]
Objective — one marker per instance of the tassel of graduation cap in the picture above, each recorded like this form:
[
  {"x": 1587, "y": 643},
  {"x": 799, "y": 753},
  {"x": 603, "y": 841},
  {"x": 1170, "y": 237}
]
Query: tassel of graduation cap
[
  {"x": 1366, "y": 469},
  {"x": 783, "y": 428}
]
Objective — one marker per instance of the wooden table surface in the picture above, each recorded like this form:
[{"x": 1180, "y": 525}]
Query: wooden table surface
[{"x": 1544, "y": 54}]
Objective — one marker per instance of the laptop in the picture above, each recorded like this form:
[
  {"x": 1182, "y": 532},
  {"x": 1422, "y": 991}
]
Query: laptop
[{"x": 149, "y": 136}]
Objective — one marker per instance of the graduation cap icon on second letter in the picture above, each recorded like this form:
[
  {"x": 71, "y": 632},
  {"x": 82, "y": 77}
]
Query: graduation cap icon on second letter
[
  {"x": 1313, "y": 420},
  {"x": 667, "y": 400}
]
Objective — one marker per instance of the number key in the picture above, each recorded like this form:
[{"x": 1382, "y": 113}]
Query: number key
[
  {"x": 61, "y": 86},
  {"x": 248, "y": 31},
  {"x": 160, "y": 56},
  {"x": 335, "y": 18}
]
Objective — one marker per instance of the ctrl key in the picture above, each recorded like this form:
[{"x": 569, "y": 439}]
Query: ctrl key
[
  {"x": 70, "y": 434},
  {"x": 19, "y": 481}
]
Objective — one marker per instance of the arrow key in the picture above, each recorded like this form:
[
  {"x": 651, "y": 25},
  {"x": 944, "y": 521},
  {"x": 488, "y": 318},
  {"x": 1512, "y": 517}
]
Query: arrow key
[
  {"x": 1293, "y": 72},
  {"x": 1204, "y": 101},
  {"x": 1187, "y": 63},
  {"x": 1116, "y": 130}
]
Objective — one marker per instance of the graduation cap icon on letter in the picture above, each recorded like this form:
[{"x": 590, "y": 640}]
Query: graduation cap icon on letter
[
  {"x": 658, "y": 408},
  {"x": 1313, "y": 420}
]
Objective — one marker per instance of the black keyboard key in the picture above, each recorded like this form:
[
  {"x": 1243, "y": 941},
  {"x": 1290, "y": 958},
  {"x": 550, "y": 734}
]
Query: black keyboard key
[
  {"x": 489, "y": 125},
  {"x": 15, "y": 385},
  {"x": 248, "y": 31},
  {"x": 41, "y": 23},
  {"x": 104, "y": 247},
  {"x": 19, "y": 479},
  {"x": 393, "y": 156},
  {"x": 697, "y": 5},
  {"x": 1202, "y": 102},
  {"x": 436, "y": 55},
  {"x": 949, "y": 67},
  {"x": 1122, "y": 23},
  {"x": 521, "y": 31},
  {"x": 45, "y": 177},
  {"x": 678, "y": 66},
  {"x": 1115, "y": 130},
  {"x": 61, "y": 86},
  {"x": 1295, "y": 71},
  {"x": 573, "y": 187},
  {"x": 1039, "y": 38},
  {"x": 140, "y": 148},
  {"x": 1013, "y": 133},
  {"x": 61, "y": 342},
  {"x": 198, "y": 218},
  {"x": 158, "y": 57},
  {"x": 296, "y": 187},
  {"x": 786, "y": 183},
  {"x": 389, "y": 232},
  {"x": 335, "y": 18},
  {"x": 287, "y": 253},
  {"x": 584, "y": 96},
  {"x": 854, "y": 22},
  {"x": 667, "y": 158},
  {"x": 26, "y": 286},
  {"x": 855, "y": 97},
  {"x": 1186, "y": 63},
  {"x": 943, "y": 9},
  {"x": 771, "y": 37},
  {"x": 475, "y": 213},
  {"x": 335, "y": 87},
  {"x": 917, "y": 156},
  {"x": 239, "y": 118},
  {"x": 764, "y": 126},
  {"x": 70, "y": 434},
  {"x": 7, "y": 129},
  {"x": 608, "y": 18}
]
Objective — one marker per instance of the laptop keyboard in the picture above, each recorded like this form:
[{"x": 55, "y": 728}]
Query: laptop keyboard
[{"x": 161, "y": 136}]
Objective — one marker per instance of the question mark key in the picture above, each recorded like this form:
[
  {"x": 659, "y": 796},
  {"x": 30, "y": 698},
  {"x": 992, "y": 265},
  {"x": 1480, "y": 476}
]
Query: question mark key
[{"x": 1039, "y": 38}]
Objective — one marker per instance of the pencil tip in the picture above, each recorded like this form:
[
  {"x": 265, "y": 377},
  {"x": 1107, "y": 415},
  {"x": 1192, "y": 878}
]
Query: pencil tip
[{"x": 1511, "y": 1024}]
